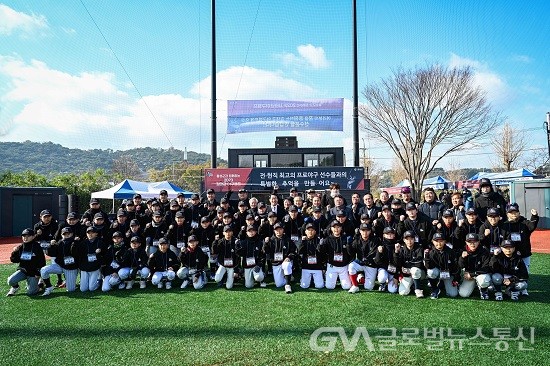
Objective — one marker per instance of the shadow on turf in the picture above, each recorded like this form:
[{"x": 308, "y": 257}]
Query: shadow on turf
[
  {"x": 537, "y": 292},
  {"x": 192, "y": 330}
]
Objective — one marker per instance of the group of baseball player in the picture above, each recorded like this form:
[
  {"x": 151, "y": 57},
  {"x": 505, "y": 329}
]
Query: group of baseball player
[{"x": 320, "y": 240}]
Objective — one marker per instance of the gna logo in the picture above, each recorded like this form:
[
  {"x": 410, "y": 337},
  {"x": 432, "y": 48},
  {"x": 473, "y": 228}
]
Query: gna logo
[{"x": 325, "y": 339}]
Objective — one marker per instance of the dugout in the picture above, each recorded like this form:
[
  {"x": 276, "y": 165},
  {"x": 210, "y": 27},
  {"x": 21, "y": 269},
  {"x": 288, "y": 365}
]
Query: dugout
[{"x": 20, "y": 207}]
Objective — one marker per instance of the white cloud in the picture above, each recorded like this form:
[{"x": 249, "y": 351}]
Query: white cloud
[
  {"x": 522, "y": 59},
  {"x": 308, "y": 56},
  {"x": 13, "y": 21},
  {"x": 95, "y": 110},
  {"x": 498, "y": 91}
]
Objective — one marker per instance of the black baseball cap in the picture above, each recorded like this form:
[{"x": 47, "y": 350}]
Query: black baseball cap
[
  {"x": 365, "y": 227},
  {"x": 493, "y": 212},
  {"x": 45, "y": 213},
  {"x": 408, "y": 234},
  {"x": 472, "y": 237},
  {"x": 507, "y": 243},
  {"x": 27, "y": 231},
  {"x": 438, "y": 236},
  {"x": 448, "y": 213},
  {"x": 163, "y": 192},
  {"x": 388, "y": 230},
  {"x": 410, "y": 206}
]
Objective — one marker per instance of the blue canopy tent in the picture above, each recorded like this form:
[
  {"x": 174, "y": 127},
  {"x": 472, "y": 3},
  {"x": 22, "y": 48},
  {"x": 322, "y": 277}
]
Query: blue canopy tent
[
  {"x": 127, "y": 188},
  {"x": 437, "y": 182}
]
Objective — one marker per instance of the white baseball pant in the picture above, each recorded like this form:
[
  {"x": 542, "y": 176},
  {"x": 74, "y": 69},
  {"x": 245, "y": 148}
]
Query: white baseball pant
[
  {"x": 54, "y": 268},
  {"x": 280, "y": 271},
  {"x": 333, "y": 273},
  {"x": 317, "y": 275},
  {"x": 221, "y": 272}
]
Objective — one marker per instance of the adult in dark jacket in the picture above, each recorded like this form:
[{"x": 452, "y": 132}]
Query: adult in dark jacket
[
  {"x": 489, "y": 199},
  {"x": 418, "y": 224},
  {"x": 431, "y": 207}
]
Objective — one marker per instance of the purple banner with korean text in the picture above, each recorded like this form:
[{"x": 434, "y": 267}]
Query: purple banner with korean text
[
  {"x": 283, "y": 115},
  {"x": 264, "y": 179}
]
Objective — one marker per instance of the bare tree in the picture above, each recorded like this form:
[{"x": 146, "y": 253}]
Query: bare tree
[
  {"x": 423, "y": 110},
  {"x": 537, "y": 160},
  {"x": 398, "y": 172},
  {"x": 509, "y": 144},
  {"x": 455, "y": 173}
]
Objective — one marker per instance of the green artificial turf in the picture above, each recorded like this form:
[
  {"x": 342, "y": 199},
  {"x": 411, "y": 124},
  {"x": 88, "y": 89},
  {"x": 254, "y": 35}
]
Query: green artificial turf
[{"x": 264, "y": 326}]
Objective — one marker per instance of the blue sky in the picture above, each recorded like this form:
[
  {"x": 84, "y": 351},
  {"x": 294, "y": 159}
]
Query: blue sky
[{"x": 61, "y": 81}]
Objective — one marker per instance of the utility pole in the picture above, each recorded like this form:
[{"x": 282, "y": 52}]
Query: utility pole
[
  {"x": 355, "y": 116},
  {"x": 364, "y": 158}
]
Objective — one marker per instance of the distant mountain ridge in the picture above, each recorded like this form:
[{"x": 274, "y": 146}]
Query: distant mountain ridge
[{"x": 49, "y": 158}]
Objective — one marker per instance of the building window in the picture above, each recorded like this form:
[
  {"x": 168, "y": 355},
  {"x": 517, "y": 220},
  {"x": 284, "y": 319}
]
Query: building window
[
  {"x": 245, "y": 161},
  {"x": 260, "y": 161},
  {"x": 286, "y": 160},
  {"x": 312, "y": 160},
  {"x": 326, "y": 159}
]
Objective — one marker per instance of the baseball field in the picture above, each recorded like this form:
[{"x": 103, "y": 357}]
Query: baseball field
[{"x": 265, "y": 326}]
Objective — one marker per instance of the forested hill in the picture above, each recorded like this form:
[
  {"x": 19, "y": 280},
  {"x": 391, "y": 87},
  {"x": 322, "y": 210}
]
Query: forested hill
[{"x": 47, "y": 157}]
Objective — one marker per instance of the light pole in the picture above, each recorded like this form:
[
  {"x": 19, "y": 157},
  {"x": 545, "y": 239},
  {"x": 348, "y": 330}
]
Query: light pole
[{"x": 547, "y": 126}]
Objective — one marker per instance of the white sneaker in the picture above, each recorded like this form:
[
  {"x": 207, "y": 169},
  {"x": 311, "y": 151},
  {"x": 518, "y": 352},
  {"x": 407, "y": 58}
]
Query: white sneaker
[
  {"x": 12, "y": 291},
  {"x": 121, "y": 286},
  {"x": 353, "y": 289},
  {"x": 263, "y": 284},
  {"x": 184, "y": 284},
  {"x": 419, "y": 293},
  {"x": 514, "y": 295},
  {"x": 498, "y": 296},
  {"x": 524, "y": 293},
  {"x": 168, "y": 285},
  {"x": 288, "y": 289},
  {"x": 129, "y": 285},
  {"x": 142, "y": 284},
  {"x": 48, "y": 290},
  {"x": 159, "y": 285}
]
